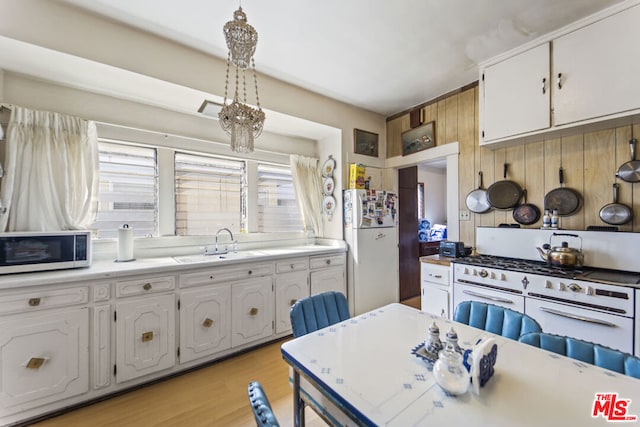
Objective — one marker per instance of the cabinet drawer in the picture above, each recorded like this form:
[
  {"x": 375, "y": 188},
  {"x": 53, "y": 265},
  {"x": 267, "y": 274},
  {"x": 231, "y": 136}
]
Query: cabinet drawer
[
  {"x": 326, "y": 261},
  {"x": 144, "y": 285},
  {"x": 40, "y": 300},
  {"x": 432, "y": 273},
  {"x": 225, "y": 274},
  {"x": 293, "y": 264}
]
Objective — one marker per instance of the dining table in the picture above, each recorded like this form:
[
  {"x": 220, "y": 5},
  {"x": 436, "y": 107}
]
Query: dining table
[{"x": 364, "y": 371}]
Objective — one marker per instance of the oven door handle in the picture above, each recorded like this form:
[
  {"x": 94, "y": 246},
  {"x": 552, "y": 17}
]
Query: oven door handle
[
  {"x": 489, "y": 297},
  {"x": 576, "y": 317}
]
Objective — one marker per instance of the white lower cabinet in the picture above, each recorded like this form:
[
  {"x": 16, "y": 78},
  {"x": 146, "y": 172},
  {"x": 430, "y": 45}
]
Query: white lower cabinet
[
  {"x": 290, "y": 287},
  {"x": 205, "y": 322},
  {"x": 61, "y": 345},
  {"x": 145, "y": 336},
  {"x": 327, "y": 273},
  {"x": 436, "y": 287},
  {"x": 45, "y": 358},
  {"x": 252, "y": 310}
]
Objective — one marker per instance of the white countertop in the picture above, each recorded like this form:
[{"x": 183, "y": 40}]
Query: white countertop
[
  {"x": 108, "y": 268},
  {"x": 375, "y": 375}
]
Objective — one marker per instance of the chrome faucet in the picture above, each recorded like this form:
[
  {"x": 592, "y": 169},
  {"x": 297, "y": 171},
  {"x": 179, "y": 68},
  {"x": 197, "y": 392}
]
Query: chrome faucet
[{"x": 226, "y": 248}]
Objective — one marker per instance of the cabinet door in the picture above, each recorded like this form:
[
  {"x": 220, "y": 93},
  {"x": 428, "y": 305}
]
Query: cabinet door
[
  {"x": 290, "y": 287},
  {"x": 637, "y": 339},
  {"x": 205, "y": 322},
  {"x": 435, "y": 300},
  {"x": 44, "y": 359},
  {"x": 145, "y": 336},
  {"x": 516, "y": 95},
  {"x": 252, "y": 310},
  {"x": 328, "y": 279},
  {"x": 599, "y": 66}
]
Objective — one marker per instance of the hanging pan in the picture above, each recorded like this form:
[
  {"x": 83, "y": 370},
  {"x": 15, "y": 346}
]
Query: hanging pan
[
  {"x": 526, "y": 213},
  {"x": 504, "y": 194},
  {"x": 566, "y": 200},
  {"x": 616, "y": 213},
  {"x": 630, "y": 171},
  {"x": 477, "y": 201}
]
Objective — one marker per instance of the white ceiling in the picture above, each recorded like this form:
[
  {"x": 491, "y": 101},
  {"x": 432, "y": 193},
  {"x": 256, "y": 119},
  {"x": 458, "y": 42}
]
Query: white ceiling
[{"x": 384, "y": 56}]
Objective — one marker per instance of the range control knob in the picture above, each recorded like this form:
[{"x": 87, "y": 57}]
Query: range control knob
[
  {"x": 548, "y": 285},
  {"x": 484, "y": 273},
  {"x": 503, "y": 277},
  {"x": 590, "y": 291},
  {"x": 493, "y": 275},
  {"x": 575, "y": 287},
  {"x": 562, "y": 287}
]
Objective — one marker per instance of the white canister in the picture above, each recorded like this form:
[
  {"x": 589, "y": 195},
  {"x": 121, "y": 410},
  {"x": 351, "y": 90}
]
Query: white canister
[{"x": 125, "y": 243}]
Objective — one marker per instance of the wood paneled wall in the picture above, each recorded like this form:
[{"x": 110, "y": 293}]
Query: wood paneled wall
[{"x": 589, "y": 160}]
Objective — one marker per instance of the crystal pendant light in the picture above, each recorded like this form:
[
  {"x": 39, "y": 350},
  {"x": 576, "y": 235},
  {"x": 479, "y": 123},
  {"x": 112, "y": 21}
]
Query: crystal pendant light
[{"x": 243, "y": 122}]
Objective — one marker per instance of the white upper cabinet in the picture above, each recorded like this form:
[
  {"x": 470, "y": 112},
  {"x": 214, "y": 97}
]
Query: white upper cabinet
[
  {"x": 597, "y": 69},
  {"x": 583, "y": 75},
  {"x": 516, "y": 94}
]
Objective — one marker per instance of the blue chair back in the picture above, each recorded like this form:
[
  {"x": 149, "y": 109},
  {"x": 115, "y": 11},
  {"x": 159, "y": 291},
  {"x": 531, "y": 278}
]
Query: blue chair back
[
  {"x": 260, "y": 406},
  {"x": 495, "y": 319},
  {"x": 318, "y": 311},
  {"x": 594, "y": 354}
]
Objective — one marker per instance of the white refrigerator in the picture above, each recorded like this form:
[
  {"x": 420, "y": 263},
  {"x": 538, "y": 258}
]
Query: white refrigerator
[{"x": 371, "y": 233}]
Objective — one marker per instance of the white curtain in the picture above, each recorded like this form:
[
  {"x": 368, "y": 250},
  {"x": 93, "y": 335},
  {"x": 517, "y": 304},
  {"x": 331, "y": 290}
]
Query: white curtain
[
  {"x": 308, "y": 187},
  {"x": 51, "y": 172}
]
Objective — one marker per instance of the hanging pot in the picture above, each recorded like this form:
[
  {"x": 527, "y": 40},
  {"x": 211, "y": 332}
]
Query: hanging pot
[
  {"x": 526, "y": 213},
  {"x": 630, "y": 171},
  {"x": 504, "y": 194},
  {"x": 566, "y": 200},
  {"x": 477, "y": 201},
  {"x": 616, "y": 213}
]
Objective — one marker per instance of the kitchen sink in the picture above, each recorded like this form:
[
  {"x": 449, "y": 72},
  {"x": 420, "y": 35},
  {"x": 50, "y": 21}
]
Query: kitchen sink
[{"x": 192, "y": 259}]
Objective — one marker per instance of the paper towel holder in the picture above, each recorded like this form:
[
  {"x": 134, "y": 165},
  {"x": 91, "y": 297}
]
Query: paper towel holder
[{"x": 118, "y": 257}]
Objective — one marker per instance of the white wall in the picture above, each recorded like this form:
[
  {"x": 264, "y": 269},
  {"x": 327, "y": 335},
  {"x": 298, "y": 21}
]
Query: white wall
[{"x": 435, "y": 193}]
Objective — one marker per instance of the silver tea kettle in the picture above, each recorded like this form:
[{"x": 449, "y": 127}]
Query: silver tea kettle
[{"x": 563, "y": 255}]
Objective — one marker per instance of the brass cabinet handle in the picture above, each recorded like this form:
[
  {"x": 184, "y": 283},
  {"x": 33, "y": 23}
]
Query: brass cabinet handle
[
  {"x": 34, "y": 302},
  {"x": 544, "y": 85},
  {"x": 293, "y": 301},
  {"x": 35, "y": 362},
  {"x": 147, "y": 336},
  {"x": 328, "y": 261},
  {"x": 146, "y": 286},
  {"x": 253, "y": 311},
  {"x": 207, "y": 323},
  {"x": 293, "y": 266},
  {"x": 250, "y": 272}
]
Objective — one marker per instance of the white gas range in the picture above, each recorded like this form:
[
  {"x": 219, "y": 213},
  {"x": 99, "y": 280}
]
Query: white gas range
[{"x": 565, "y": 302}]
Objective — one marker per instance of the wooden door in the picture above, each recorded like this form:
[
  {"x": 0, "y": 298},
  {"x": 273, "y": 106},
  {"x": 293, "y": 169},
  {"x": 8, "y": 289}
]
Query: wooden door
[{"x": 409, "y": 263}]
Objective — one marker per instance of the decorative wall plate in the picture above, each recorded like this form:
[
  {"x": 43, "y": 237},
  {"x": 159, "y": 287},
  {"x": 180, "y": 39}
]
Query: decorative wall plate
[
  {"x": 328, "y": 167},
  {"x": 328, "y": 186},
  {"x": 329, "y": 205}
]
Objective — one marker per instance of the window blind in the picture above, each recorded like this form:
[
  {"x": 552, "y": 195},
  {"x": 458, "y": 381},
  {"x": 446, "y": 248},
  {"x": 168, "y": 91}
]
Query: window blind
[
  {"x": 128, "y": 191},
  {"x": 209, "y": 194},
  {"x": 277, "y": 206}
]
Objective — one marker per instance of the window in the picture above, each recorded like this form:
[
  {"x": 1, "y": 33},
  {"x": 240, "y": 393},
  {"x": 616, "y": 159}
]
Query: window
[
  {"x": 209, "y": 194},
  {"x": 128, "y": 191},
  {"x": 277, "y": 206}
]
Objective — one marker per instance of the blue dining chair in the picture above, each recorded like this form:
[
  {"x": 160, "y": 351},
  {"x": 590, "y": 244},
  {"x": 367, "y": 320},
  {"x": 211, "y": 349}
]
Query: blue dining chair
[
  {"x": 495, "y": 319},
  {"x": 588, "y": 352},
  {"x": 260, "y": 406},
  {"x": 318, "y": 311}
]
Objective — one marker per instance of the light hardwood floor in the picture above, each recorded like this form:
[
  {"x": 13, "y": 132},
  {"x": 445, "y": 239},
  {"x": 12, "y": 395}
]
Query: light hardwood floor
[{"x": 212, "y": 396}]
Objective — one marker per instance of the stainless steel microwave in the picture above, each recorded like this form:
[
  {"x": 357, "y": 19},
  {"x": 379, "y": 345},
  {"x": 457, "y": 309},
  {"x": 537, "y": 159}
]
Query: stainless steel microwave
[{"x": 22, "y": 252}]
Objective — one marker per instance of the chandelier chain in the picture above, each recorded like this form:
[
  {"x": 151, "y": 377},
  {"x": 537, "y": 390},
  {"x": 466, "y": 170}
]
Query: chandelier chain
[{"x": 255, "y": 79}]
